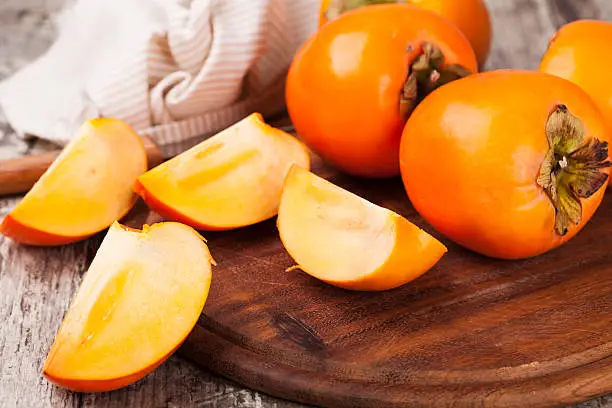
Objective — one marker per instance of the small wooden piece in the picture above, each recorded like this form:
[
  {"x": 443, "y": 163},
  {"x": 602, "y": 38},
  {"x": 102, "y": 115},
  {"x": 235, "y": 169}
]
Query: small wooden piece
[
  {"x": 19, "y": 175},
  {"x": 472, "y": 332}
]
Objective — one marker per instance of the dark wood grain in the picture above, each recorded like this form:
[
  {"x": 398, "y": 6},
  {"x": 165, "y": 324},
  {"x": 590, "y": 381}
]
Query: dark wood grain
[{"x": 471, "y": 332}]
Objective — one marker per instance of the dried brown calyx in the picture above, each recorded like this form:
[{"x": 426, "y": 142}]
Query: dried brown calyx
[
  {"x": 427, "y": 72},
  {"x": 572, "y": 168}
]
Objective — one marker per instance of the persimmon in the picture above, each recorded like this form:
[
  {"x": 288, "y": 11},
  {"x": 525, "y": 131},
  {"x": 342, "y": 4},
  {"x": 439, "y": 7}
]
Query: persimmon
[
  {"x": 85, "y": 190},
  {"x": 228, "y": 181},
  {"x": 353, "y": 84},
  {"x": 579, "y": 53},
  {"x": 347, "y": 241},
  {"x": 469, "y": 16},
  {"x": 507, "y": 163},
  {"x": 140, "y": 298}
]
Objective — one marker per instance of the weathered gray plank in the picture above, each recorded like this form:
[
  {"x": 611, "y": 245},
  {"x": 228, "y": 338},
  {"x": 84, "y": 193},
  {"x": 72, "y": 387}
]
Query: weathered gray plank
[
  {"x": 564, "y": 11},
  {"x": 521, "y": 30},
  {"x": 36, "y": 285}
]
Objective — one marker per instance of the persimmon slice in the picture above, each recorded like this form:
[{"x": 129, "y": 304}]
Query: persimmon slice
[
  {"x": 86, "y": 188},
  {"x": 231, "y": 180},
  {"x": 347, "y": 241},
  {"x": 140, "y": 298}
]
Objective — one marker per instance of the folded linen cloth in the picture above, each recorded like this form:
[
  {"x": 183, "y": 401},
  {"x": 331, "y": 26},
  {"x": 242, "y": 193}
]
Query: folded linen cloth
[{"x": 175, "y": 70}]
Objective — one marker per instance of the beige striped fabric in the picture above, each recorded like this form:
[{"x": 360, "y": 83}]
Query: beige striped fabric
[{"x": 176, "y": 70}]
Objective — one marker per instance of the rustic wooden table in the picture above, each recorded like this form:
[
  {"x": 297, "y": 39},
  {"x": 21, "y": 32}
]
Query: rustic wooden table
[{"x": 36, "y": 285}]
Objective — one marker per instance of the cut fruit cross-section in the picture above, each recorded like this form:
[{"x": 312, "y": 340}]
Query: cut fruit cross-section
[
  {"x": 140, "y": 298},
  {"x": 231, "y": 180},
  {"x": 86, "y": 188},
  {"x": 346, "y": 241}
]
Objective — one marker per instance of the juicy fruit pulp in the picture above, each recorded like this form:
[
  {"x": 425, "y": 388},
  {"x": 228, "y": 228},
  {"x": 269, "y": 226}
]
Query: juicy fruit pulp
[
  {"x": 87, "y": 187},
  {"x": 141, "y": 296},
  {"x": 231, "y": 180},
  {"x": 344, "y": 240},
  {"x": 472, "y": 155},
  {"x": 347, "y": 83}
]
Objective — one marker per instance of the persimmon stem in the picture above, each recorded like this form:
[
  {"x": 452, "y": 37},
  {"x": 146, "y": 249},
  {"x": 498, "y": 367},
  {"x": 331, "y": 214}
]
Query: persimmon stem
[
  {"x": 427, "y": 73},
  {"x": 572, "y": 168}
]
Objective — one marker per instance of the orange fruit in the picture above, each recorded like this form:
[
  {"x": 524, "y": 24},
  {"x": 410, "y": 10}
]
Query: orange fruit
[
  {"x": 86, "y": 188},
  {"x": 471, "y": 17},
  {"x": 140, "y": 298},
  {"x": 353, "y": 84},
  {"x": 346, "y": 241},
  {"x": 579, "y": 53},
  {"x": 231, "y": 180},
  {"x": 507, "y": 163}
]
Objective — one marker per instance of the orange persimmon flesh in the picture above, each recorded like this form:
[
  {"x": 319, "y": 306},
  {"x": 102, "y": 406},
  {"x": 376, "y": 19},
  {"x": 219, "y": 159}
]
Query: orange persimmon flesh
[
  {"x": 231, "y": 180},
  {"x": 86, "y": 188},
  {"x": 140, "y": 298},
  {"x": 346, "y": 241}
]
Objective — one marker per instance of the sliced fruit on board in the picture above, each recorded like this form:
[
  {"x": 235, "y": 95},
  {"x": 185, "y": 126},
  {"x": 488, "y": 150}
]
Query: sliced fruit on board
[
  {"x": 140, "y": 298},
  {"x": 86, "y": 188},
  {"x": 231, "y": 180},
  {"x": 344, "y": 240}
]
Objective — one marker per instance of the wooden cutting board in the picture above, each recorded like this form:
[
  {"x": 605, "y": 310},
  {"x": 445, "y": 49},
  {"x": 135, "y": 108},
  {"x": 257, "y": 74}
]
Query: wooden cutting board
[{"x": 471, "y": 332}]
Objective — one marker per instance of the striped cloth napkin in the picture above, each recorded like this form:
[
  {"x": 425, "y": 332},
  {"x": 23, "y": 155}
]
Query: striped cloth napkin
[{"x": 175, "y": 70}]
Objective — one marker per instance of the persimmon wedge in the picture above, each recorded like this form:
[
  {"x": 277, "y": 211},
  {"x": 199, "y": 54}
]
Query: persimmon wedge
[
  {"x": 347, "y": 241},
  {"x": 140, "y": 298},
  {"x": 86, "y": 188},
  {"x": 231, "y": 180}
]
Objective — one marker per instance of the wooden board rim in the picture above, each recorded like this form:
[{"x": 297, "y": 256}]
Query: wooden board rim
[{"x": 231, "y": 360}]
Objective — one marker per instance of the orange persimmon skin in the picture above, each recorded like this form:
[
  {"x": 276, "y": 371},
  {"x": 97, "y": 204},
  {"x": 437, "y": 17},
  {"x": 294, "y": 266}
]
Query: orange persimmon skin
[
  {"x": 168, "y": 212},
  {"x": 30, "y": 236},
  {"x": 579, "y": 53},
  {"x": 471, "y": 154},
  {"x": 471, "y": 17},
  {"x": 104, "y": 386},
  {"x": 344, "y": 85}
]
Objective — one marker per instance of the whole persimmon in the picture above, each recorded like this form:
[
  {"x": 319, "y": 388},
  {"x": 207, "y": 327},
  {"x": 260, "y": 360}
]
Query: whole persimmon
[
  {"x": 509, "y": 164},
  {"x": 469, "y": 16},
  {"x": 579, "y": 53},
  {"x": 353, "y": 84}
]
